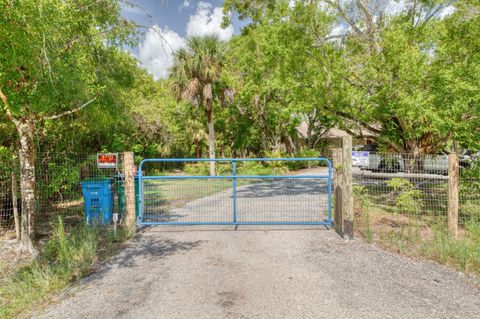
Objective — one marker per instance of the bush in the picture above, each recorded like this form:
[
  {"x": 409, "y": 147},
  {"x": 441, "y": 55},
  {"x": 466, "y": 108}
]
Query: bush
[
  {"x": 406, "y": 195},
  {"x": 295, "y": 165},
  {"x": 203, "y": 168},
  {"x": 259, "y": 168}
]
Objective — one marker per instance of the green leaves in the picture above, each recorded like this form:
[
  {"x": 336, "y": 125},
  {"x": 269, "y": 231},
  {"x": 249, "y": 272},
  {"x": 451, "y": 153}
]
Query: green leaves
[{"x": 53, "y": 51}]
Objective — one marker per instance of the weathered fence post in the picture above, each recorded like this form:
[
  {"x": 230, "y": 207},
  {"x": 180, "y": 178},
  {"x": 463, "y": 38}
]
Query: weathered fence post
[
  {"x": 15, "y": 205},
  {"x": 347, "y": 187},
  {"x": 344, "y": 189},
  {"x": 453, "y": 177},
  {"x": 129, "y": 172},
  {"x": 338, "y": 216}
]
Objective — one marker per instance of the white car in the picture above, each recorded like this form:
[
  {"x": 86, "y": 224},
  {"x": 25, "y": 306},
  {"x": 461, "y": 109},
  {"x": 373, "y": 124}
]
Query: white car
[{"x": 370, "y": 160}]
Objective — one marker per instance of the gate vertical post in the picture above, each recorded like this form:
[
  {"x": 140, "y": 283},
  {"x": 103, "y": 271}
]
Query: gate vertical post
[
  {"x": 234, "y": 181},
  {"x": 128, "y": 172},
  {"x": 453, "y": 201}
]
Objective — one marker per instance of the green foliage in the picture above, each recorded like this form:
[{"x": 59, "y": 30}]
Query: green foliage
[
  {"x": 470, "y": 211},
  {"x": 406, "y": 195},
  {"x": 71, "y": 254},
  {"x": 68, "y": 256},
  {"x": 203, "y": 168},
  {"x": 306, "y": 153},
  {"x": 259, "y": 168},
  {"x": 409, "y": 78},
  {"x": 54, "y": 52},
  {"x": 363, "y": 199}
]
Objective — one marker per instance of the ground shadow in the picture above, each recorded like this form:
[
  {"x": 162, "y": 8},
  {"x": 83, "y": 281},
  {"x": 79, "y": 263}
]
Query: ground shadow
[{"x": 144, "y": 249}]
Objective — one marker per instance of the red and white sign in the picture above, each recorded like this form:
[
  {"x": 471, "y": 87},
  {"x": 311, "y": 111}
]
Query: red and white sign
[{"x": 107, "y": 160}]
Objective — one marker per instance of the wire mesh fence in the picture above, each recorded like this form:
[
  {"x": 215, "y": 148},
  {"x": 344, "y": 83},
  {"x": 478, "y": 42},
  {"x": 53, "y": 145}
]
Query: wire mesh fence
[
  {"x": 59, "y": 189},
  {"x": 393, "y": 193},
  {"x": 408, "y": 196}
]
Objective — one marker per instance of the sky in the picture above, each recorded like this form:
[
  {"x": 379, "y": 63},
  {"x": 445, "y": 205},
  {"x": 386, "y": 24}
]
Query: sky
[{"x": 169, "y": 22}]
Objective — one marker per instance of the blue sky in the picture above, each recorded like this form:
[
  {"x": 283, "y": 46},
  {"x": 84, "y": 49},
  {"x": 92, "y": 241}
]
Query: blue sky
[{"x": 169, "y": 22}]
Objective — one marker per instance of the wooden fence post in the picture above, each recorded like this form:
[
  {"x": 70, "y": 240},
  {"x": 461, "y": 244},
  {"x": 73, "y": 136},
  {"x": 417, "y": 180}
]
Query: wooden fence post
[
  {"x": 15, "y": 205},
  {"x": 129, "y": 172},
  {"x": 338, "y": 216},
  {"x": 453, "y": 201},
  {"x": 342, "y": 162},
  {"x": 347, "y": 187}
]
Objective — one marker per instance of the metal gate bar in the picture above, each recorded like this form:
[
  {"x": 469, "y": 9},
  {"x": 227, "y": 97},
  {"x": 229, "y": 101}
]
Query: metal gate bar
[{"x": 234, "y": 177}]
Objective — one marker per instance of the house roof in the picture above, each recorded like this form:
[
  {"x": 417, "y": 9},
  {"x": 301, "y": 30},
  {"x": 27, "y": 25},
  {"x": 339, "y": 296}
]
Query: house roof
[{"x": 333, "y": 132}]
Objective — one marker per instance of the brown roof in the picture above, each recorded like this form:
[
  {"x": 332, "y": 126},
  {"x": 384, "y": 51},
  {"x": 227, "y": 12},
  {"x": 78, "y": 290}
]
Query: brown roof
[{"x": 334, "y": 132}]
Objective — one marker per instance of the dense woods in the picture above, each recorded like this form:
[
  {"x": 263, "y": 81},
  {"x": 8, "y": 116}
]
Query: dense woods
[{"x": 409, "y": 77}]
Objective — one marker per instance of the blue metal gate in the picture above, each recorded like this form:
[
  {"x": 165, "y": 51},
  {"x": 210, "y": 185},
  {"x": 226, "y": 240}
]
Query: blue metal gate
[{"x": 234, "y": 197}]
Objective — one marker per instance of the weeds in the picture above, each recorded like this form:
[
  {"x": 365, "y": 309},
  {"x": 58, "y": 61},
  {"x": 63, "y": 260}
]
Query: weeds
[
  {"x": 67, "y": 257},
  {"x": 362, "y": 197}
]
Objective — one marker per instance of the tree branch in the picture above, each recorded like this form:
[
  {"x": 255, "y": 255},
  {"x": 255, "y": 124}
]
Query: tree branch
[
  {"x": 336, "y": 4},
  {"x": 359, "y": 122},
  {"x": 56, "y": 116},
  {"x": 7, "y": 108}
]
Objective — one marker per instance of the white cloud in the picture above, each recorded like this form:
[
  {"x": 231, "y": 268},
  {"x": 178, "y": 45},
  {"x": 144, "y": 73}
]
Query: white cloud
[
  {"x": 208, "y": 20},
  {"x": 185, "y": 4},
  {"x": 155, "y": 52}
]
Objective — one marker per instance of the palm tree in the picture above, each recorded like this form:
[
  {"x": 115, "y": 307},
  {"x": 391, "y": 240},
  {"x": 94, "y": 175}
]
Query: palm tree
[{"x": 195, "y": 75}]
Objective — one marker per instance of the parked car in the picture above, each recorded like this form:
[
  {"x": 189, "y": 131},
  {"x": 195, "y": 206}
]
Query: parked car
[{"x": 367, "y": 158}]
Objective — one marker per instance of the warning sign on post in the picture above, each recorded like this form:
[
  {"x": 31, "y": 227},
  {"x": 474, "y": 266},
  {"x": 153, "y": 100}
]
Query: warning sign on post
[
  {"x": 107, "y": 160},
  {"x": 360, "y": 158}
]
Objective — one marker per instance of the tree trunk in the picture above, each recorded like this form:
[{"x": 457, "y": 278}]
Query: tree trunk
[
  {"x": 197, "y": 148},
  {"x": 211, "y": 142},
  {"x": 414, "y": 161},
  {"x": 27, "y": 153}
]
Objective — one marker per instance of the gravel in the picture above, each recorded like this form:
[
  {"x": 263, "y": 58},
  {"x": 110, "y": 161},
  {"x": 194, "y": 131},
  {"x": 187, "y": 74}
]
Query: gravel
[{"x": 264, "y": 273}]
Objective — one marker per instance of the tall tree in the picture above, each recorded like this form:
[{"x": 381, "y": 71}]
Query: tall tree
[
  {"x": 407, "y": 72},
  {"x": 196, "y": 77},
  {"x": 282, "y": 75},
  {"x": 52, "y": 56}
]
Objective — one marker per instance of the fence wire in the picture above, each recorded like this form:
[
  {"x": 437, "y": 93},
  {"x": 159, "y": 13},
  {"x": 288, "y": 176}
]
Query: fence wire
[
  {"x": 253, "y": 192},
  {"x": 58, "y": 189},
  {"x": 398, "y": 194}
]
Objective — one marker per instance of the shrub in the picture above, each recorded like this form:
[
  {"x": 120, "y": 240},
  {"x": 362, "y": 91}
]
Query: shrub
[
  {"x": 406, "y": 195},
  {"x": 294, "y": 165},
  {"x": 203, "y": 168}
]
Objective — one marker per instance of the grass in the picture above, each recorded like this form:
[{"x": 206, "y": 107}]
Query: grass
[
  {"x": 425, "y": 238},
  {"x": 68, "y": 256}
]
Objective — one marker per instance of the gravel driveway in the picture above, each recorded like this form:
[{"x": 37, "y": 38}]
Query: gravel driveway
[{"x": 265, "y": 274}]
